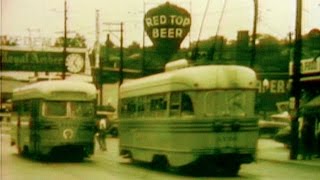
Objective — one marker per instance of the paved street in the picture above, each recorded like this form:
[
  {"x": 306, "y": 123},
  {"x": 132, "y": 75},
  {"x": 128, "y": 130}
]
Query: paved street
[{"x": 271, "y": 164}]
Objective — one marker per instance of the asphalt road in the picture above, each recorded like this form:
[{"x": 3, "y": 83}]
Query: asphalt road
[{"x": 108, "y": 165}]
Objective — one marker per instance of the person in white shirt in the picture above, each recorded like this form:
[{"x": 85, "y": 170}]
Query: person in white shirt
[{"x": 102, "y": 132}]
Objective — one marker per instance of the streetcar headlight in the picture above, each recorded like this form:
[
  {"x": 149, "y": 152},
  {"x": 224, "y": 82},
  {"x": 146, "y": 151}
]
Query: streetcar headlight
[
  {"x": 235, "y": 126},
  {"x": 217, "y": 126}
]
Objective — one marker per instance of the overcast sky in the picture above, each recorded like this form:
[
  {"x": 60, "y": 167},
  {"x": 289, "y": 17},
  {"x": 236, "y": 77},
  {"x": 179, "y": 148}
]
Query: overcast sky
[{"x": 45, "y": 17}]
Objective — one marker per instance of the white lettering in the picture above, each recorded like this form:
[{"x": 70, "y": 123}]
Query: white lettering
[
  {"x": 172, "y": 18},
  {"x": 163, "y": 19},
  {"x": 179, "y": 20},
  {"x": 281, "y": 87},
  {"x": 163, "y": 32},
  {"x": 149, "y": 22},
  {"x": 167, "y": 33},
  {"x": 273, "y": 86},
  {"x": 155, "y": 33},
  {"x": 170, "y": 33},
  {"x": 167, "y": 20},
  {"x": 186, "y": 22},
  {"x": 155, "y": 20},
  {"x": 179, "y": 33}
]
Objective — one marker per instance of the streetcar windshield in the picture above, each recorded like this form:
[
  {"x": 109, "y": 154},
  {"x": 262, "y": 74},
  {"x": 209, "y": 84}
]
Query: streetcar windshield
[
  {"x": 55, "y": 108},
  {"x": 81, "y": 109},
  {"x": 67, "y": 108},
  {"x": 229, "y": 103}
]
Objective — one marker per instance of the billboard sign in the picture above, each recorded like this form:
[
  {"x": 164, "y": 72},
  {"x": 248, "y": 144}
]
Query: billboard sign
[
  {"x": 167, "y": 25},
  {"x": 15, "y": 58}
]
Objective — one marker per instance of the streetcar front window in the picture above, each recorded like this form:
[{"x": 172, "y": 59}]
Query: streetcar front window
[
  {"x": 229, "y": 103},
  {"x": 82, "y": 109},
  {"x": 55, "y": 108}
]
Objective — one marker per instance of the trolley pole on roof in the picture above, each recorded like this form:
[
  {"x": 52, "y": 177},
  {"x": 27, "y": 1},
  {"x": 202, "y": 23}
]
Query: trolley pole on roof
[{"x": 296, "y": 91}]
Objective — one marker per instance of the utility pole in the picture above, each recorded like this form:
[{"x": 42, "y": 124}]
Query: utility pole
[
  {"x": 143, "y": 44},
  {"x": 97, "y": 51},
  {"x": 64, "y": 53},
  {"x": 254, "y": 34},
  {"x": 31, "y": 43},
  {"x": 121, "y": 48},
  {"x": 98, "y": 63},
  {"x": 296, "y": 91},
  {"x": 121, "y": 55}
]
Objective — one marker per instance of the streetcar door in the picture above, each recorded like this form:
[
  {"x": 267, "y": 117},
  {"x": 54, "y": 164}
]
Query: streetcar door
[
  {"x": 34, "y": 126},
  {"x": 18, "y": 128}
]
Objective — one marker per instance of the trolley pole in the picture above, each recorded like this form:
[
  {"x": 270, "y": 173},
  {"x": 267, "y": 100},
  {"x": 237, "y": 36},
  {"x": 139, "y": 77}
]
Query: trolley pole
[
  {"x": 254, "y": 34},
  {"x": 64, "y": 53},
  {"x": 121, "y": 55},
  {"x": 296, "y": 91}
]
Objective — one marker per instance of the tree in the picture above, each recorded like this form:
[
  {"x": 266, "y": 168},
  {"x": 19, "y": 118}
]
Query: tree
[
  {"x": 133, "y": 48},
  {"x": 8, "y": 41},
  {"x": 269, "y": 54},
  {"x": 312, "y": 40},
  {"x": 109, "y": 43},
  {"x": 77, "y": 41}
]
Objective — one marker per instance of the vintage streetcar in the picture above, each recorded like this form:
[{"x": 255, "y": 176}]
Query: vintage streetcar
[
  {"x": 52, "y": 117},
  {"x": 200, "y": 117}
]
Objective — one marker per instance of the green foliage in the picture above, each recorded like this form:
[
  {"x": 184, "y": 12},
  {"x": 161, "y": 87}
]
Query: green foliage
[
  {"x": 5, "y": 41},
  {"x": 272, "y": 54},
  {"x": 77, "y": 41}
]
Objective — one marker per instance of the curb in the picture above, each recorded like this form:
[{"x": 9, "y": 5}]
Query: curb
[{"x": 297, "y": 162}]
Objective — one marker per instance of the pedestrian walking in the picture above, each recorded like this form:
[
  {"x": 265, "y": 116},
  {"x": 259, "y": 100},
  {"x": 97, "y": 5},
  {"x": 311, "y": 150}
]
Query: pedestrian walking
[
  {"x": 102, "y": 131},
  {"x": 307, "y": 138}
]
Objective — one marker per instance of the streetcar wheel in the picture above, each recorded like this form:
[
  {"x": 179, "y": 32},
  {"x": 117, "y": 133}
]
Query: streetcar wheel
[
  {"x": 23, "y": 151},
  {"x": 160, "y": 162},
  {"x": 233, "y": 169},
  {"x": 114, "y": 132}
]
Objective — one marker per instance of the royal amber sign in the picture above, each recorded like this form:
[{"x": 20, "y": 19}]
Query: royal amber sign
[
  {"x": 42, "y": 59},
  {"x": 167, "y": 25}
]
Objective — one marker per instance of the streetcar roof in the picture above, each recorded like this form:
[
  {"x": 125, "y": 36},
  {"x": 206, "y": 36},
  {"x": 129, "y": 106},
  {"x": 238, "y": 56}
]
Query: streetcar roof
[
  {"x": 56, "y": 89},
  {"x": 192, "y": 78}
]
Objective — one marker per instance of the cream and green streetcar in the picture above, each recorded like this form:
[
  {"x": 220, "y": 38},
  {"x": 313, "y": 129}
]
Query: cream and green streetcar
[
  {"x": 200, "y": 117},
  {"x": 54, "y": 116}
]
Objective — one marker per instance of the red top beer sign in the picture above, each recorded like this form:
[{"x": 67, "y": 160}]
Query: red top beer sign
[
  {"x": 167, "y": 25},
  {"x": 176, "y": 30}
]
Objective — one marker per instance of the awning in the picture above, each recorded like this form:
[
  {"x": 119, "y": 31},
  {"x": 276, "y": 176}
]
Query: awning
[
  {"x": 312, "y": 106},
  {"x": 315, "y": 102}
]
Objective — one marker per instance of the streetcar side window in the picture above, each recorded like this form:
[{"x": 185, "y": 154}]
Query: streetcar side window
[
  {"x": 186, "y": 105},
  {"x": 128, "y": 107},
  {"x": 175, "y": 104},
  {"x": 158, "y": 105},
  {"x": 140, "y": 106}
]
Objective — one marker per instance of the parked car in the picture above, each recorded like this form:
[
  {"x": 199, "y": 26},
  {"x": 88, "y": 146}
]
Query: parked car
[{"x": 276, "y": 123}]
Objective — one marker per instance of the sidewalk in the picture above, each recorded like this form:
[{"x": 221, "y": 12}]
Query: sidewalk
[{"x": 271, "y": 150}]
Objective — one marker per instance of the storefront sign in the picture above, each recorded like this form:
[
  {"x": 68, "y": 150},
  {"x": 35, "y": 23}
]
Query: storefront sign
[
  {"x": 308, "y": 66},
  {"x": 42, "y": 59}
]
